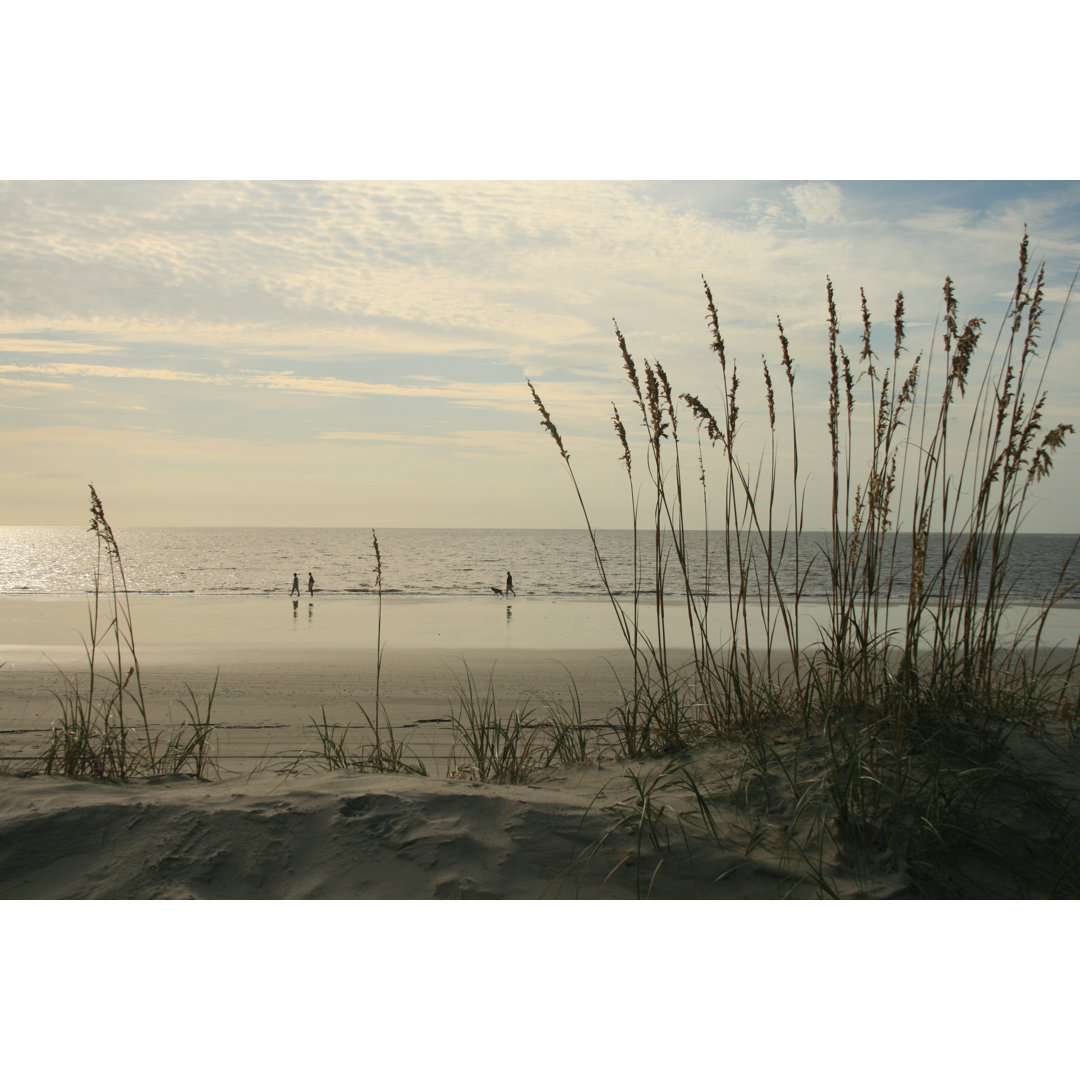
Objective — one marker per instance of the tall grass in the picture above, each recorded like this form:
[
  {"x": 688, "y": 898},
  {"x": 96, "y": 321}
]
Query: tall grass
[
  {"x": 104, "y": 726},
  {"x": 932, "y": 462}
]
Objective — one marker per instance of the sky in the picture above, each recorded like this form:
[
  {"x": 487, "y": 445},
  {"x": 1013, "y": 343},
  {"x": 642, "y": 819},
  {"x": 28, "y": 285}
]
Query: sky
[
  {"x": 356, "y": 353},
  {"x": 211, "y": 339}
]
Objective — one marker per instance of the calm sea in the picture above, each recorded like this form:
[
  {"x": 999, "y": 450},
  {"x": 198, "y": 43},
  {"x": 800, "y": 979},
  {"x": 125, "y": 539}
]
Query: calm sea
[{"x": 61, "y": 560}]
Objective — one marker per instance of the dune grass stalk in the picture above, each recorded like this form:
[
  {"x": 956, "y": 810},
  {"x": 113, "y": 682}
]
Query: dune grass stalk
[
  {"x": 378, "y": 638},
  {"x": 628, "y": 626}
]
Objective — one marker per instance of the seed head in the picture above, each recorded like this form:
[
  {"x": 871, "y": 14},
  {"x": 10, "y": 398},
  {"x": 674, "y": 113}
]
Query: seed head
[
  {"x": 785, "y": 356},
  {"x": 100, "y": 527},
  {"x": 546, "y": 422},
  {"x": 703, "y": 416},
  {"x": 378, "y": 559},
  {"x": 620, "y": 431},
  {"x": 769, "y": 392},
  {"x": 628, "y": 364},
  {"x": 1043, "y": 460}
]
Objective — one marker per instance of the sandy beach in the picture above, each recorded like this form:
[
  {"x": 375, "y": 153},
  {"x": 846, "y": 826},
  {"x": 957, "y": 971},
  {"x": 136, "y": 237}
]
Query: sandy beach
[
  {"x": 270, "y": 820},
  {"x": 276, "y": 672}
]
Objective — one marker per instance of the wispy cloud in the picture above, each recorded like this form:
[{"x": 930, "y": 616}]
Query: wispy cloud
[
  {"x": 105, "y": 371},
  {"x": 501, "y": 441},
  {"x": 50, "y": 345},
  {"x": 818, "y": 202}
]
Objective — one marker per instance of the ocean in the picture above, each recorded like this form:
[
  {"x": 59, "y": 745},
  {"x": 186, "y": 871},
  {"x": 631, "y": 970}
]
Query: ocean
[{"x": 553, "y": 563}]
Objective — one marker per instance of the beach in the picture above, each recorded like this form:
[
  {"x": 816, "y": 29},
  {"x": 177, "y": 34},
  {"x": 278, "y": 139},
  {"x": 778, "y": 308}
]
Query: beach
[
  {"x": 276, "y": 673},
  {"x": 275, "y": 676},
  {"x": 267, "y": 819}
]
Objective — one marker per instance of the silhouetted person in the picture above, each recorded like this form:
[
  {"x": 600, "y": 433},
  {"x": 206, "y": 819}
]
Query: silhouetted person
[
  {"x": 295, "y": 585},
  {"x": 311, "y": 584},
  {"x": 509, "y": 585}
]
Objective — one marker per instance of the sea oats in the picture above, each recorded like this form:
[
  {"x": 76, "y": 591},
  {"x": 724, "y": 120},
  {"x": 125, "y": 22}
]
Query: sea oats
[
  {"x": 628, "y": 365},
  {"x": 547, "y": 423},
  {"x": 701, "y": 412},
  {"x": 785, "y": 355},
  {"x": 713, "y": 320},
  {"x": 1043, "y": 460},
  {"x": 620, "y": 431},
  {"x": 866, "y": 355},
  {"x": 658, "y": 424},
  {"x": 769, "y": 393},
  {"x": 665, "y": 386},
  {"x": 898, "y": 326}
]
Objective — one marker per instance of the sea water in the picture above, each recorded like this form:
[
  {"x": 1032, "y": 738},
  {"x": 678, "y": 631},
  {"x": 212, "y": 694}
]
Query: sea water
[
  {"x": 437, "y": 585},
  {"x": 554, "y": 563}
]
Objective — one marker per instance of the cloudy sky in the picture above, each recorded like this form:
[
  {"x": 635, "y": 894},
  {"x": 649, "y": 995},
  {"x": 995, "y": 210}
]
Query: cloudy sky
[{"x": 356, "y": 353}]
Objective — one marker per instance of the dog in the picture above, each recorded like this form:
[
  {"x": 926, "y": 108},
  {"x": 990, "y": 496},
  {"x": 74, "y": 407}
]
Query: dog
[{"x": 497, "y": 592}]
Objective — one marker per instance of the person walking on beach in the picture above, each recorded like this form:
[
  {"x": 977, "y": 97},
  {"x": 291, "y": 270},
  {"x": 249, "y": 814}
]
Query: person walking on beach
[
  {"x": 510, "y": 585},
  {"x": 311, "y": 584},
  {"x": 295, "y": 585}
]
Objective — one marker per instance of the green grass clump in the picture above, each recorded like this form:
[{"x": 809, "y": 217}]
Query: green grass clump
[
  {"x": 573, "y": 738},
  {"x": 384, "y": 755},
  {"x": 498, "y": 746}
]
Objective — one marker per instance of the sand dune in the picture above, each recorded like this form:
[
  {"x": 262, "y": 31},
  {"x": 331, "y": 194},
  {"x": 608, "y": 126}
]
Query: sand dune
[{"x": 349, "y": 836}]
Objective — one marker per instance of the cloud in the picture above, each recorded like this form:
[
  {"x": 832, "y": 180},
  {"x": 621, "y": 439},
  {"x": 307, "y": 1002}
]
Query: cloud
[
  {"x": 32, "y": 384},
  {"x": 49, "y": 345},
  {"x": 817, "y": 202},
  {"x": 502, "y": 442},
  {"x": 105, "y": 371}
]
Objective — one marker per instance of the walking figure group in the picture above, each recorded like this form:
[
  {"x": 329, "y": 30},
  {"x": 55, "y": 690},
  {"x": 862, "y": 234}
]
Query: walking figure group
[
  {"x": 296, "y": 585},
  {"x": 295, "y": 590}
]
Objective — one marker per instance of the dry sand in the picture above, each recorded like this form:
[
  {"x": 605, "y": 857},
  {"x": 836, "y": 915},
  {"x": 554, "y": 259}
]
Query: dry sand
[{"x": 272, "y": 823}]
